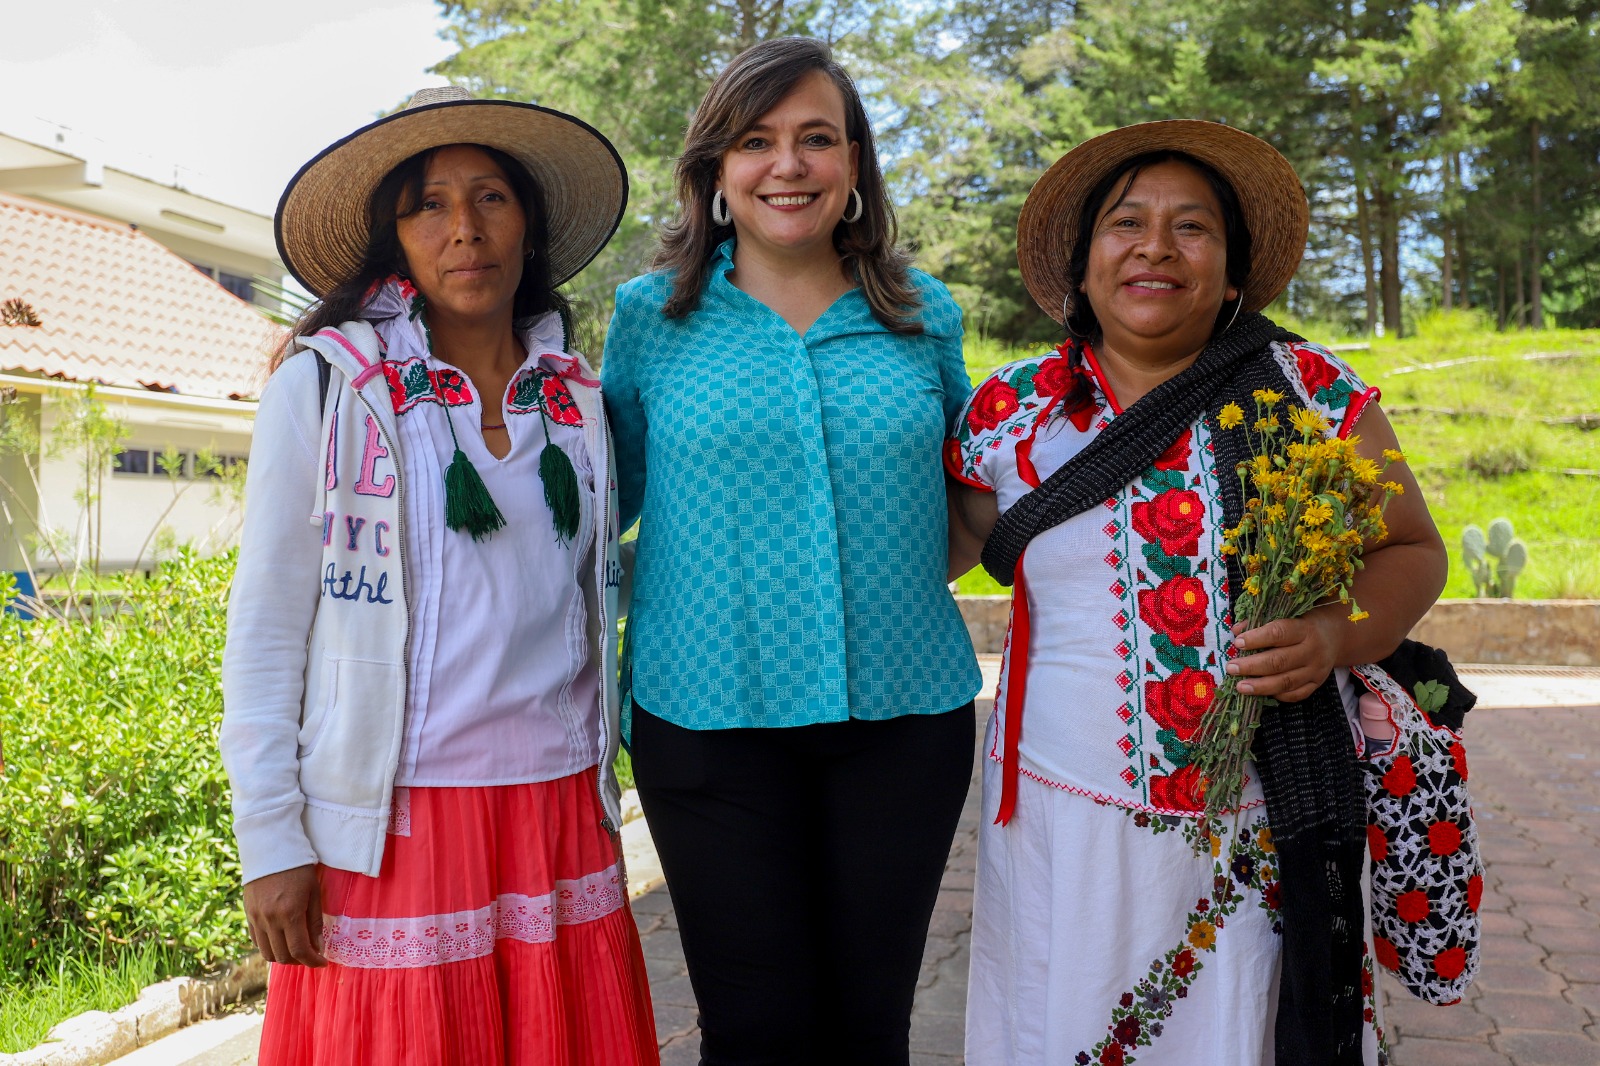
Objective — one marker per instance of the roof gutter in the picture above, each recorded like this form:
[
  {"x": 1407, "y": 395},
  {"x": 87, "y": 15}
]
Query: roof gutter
[{"x": 147, "y": 397}]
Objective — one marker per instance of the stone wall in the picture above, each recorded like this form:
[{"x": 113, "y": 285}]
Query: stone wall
[{"x": 1504, "y": 632}]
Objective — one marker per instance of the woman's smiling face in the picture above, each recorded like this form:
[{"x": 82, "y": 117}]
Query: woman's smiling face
[
  {"x": 787, "y": 179},
  {"x": 1158, "y": 264}
]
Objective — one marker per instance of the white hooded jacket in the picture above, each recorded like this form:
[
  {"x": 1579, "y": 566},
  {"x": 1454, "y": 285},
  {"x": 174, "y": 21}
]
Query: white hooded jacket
[{"x": 314, "y": 673}]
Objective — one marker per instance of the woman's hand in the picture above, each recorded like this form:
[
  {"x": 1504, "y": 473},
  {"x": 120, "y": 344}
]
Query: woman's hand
[
  {"x": 1289, "y": 658},
  {"x": 285, "y": 915}
]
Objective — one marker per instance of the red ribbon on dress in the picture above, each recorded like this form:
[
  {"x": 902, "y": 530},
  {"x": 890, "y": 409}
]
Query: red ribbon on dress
[{"x": 1016, "y": 688}]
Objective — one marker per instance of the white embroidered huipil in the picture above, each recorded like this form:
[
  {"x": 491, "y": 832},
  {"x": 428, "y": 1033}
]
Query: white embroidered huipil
[
  {"x": 502, "y": 687},
  {"x": 1109, "y": 925}
]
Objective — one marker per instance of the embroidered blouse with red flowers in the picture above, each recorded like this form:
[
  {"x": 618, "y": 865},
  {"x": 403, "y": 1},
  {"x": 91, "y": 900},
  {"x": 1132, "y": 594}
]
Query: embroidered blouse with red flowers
[
  {"x": 1126, "y": 605},
  {"x": 514, "y": 700}
]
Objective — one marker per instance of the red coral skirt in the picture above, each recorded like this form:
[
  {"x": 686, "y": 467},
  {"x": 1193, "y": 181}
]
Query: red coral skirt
[{"x": 497, "y": 933}]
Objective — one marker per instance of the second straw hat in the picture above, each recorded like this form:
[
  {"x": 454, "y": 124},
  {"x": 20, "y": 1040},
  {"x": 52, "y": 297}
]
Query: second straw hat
[
  {"x": 322, "y": 224},
  {"x": 1269, "y": 191}
]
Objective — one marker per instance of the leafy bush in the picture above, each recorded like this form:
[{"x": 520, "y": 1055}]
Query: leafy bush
[{"x": 114, "y": 809}]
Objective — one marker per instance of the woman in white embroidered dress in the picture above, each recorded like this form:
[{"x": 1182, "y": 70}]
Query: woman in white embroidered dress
[
  {"x": 420, "y": 708},
  {"x": 1110, "y": 924}
]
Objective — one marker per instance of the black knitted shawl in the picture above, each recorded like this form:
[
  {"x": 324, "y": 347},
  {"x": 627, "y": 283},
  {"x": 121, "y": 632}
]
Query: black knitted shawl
[{"x": 1303, "y": 751}]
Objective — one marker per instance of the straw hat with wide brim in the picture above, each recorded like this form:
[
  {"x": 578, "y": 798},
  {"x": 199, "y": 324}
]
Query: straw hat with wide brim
[
  {"x": 1269, "y": 191},
  {"x": 322, "y": 223}
]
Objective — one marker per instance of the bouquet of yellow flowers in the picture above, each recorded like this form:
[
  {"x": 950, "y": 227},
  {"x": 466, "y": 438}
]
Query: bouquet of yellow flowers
[{"x": 1311, "y": 505}]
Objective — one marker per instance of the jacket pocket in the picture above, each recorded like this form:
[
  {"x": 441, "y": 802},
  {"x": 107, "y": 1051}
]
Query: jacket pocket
[
  {"x": 319, "y": 700},
  {"x": 348, "y": 745}
]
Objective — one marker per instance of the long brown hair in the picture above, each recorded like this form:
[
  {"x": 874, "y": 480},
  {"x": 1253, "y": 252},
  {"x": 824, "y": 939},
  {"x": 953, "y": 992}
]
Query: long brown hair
[
  {"x": 398, "y": 195},
  {"x": 750, "y": 86}
]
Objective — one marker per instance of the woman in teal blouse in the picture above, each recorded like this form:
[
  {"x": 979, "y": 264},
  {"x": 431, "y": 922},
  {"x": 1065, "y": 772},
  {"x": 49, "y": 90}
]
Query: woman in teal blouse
[{"x": 801, "y": 679}]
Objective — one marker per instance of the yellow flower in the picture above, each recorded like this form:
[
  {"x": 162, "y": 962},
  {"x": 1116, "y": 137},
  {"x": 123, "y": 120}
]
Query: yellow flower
[
  {"x": 1203, "y": 935},
  {"x": 1276, "y": 513},
  {"x": 1252, "y": 586},
  {"x": 1264, "y": 841},
  {"x": 1394, "y": 488},
  {"x": 1307, "y": 422},
  {"x": 1393, "y": 456},
  {"x": 1365, "y": 470},
  {"x": 1230, "y": 416},
  {"x": 1268, "y": 424},
  {"x": 1357, "y": 614},
  {"x": 1267, "y": 396},
  {"x": 1317, "y": 513},
  {"x": 1229, "y": 548}
]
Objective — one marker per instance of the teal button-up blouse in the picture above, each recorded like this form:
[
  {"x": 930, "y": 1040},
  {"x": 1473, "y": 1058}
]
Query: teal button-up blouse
[{"x": 792, "y": 553}]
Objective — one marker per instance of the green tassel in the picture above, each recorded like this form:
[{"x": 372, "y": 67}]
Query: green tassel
[
  {"x": 467, "y": 504},
  {"x": 560, "y": 490}
]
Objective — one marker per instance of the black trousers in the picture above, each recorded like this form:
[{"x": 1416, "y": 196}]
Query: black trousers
[{"x": 803, "y": 865}]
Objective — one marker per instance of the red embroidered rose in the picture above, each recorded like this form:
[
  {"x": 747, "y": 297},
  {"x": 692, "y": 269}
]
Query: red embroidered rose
[
  {"x": 1177, "y": 702},
  {"x": 1412, "y": 906},
  {"x": 995, "y": 402},
  {"x": 1377, "y": 843},
  {"x": 1127, "y": 1031},
  {"x": 1179, "y": 791},
  {"x": 1177, "y": 456},
  {"x": 1474, "y": 892},
  {"x": 1272, "y": 895},
  {"x": 1388, "y": 957},
  {"x": 1366, "y": 981},
  {"x": 1177, "y": 608},
  {"x": 1175, "y": 518},
  {"x": 1183, "y": 963},
  {"x": 1444, "y": 838},
  {"x": 1112, "y": 1055},
  {"x": 1458, "y": 758},
  {"x": 559, "y": 404},
  {"x": 1054, "y": 376},
  {"x": 1449, "y": 963},
  {"x": 1315, "y": 371},
  {"x": 1401, "y": 778},
  {"x": 452, "y": 387}
]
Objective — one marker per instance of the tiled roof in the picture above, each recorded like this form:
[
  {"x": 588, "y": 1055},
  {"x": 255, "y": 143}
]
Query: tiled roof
[{"x": 119, "y": 308}]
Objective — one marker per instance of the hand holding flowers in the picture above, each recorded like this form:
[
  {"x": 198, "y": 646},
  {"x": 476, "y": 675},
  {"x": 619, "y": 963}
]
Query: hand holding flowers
[{"x": 1312, "y": 504}]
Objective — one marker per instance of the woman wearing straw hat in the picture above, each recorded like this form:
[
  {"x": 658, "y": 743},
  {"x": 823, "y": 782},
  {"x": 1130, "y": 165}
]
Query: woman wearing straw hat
[
  {"x": 1105, "y": 930},
  {"x": 801, "y": 678},
  {"x": 419, "y": 678}
]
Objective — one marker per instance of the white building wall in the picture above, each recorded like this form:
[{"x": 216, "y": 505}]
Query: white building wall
[{"x": 135, "y": 506}]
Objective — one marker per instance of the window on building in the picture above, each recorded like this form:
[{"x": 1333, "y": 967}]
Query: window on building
[
  {"x": 239, "y": 286},
  {"x": 132, "y": 461}
]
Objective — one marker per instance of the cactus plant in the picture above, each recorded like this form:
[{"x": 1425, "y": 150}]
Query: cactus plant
[{"x": 1495, "y": 560}]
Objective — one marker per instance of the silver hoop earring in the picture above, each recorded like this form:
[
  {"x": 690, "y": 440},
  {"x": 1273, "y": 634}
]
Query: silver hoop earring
[
  {"x": 719, "y": 209},
  {"x": 1235, "y": 318},
  {"x": 531, "y": 253},
  {"x": 857, "y": 207},
  {"x": 1066, "y": 318}
]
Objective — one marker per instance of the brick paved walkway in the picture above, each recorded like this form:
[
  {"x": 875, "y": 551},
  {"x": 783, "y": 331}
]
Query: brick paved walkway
[{"x": 1535, "y": 777}]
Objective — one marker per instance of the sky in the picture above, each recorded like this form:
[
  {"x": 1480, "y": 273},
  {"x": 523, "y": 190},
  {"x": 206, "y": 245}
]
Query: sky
[{"x": 230, "y": 98}]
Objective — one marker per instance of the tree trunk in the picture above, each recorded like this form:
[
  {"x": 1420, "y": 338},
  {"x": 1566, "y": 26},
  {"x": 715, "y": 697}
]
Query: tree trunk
[
  {"x": 1521, "y": 304},
  {"x": 1364, "y": 232},
  {"x": 1463, "y": 263},
  {"x": 1446, "y": 278},
  {"x": 1500, "y": 298},
  {"x": 1389, "y": 260},
  {"x": 1535, "y": 256}
]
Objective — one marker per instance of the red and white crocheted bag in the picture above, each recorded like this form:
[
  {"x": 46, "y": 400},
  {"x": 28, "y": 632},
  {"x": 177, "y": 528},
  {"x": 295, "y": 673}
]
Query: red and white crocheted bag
[{"x": 1427, "y": 875}]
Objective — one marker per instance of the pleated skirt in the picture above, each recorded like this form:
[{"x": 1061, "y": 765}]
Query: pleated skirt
[{"x": 497, "y": 933}]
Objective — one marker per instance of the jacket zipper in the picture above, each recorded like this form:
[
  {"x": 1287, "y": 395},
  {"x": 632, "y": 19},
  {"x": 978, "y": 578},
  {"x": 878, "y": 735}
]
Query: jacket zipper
[
  {"x": 405, "y": 588},
  {"x": 602, "y": 576}
]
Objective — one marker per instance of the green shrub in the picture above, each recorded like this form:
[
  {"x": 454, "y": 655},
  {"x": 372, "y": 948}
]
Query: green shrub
[{"x": 114, "y": 809}]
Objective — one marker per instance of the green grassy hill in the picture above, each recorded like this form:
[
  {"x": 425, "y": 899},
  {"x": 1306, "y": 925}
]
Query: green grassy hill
[{"x": 1494, "y": 424}]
